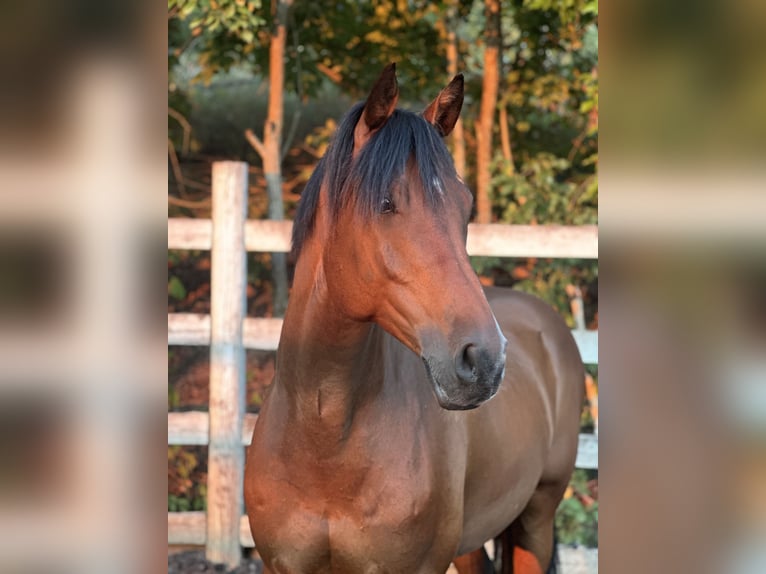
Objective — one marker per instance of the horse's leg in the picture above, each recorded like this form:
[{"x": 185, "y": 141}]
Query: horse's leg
[
  {"x": 476, "y": 562},
  {"x": 527, "y": 544}
]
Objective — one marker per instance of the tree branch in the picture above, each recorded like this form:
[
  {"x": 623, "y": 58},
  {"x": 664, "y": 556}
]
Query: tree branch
[
  {"x": 257, "y": 144},
  {"x": 290, "y": 133},
  {"x": 288, "y": 141},
  {"x": 334, "y": 75},
  {"x": 311, "y": 151},
  {"x": 202, "y": 203},
  {"x": 177, "y": 173},
  {"x": 178, "y": 116}
]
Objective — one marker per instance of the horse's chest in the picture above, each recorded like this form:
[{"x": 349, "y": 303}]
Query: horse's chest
[{"x": 357, "y": 523}]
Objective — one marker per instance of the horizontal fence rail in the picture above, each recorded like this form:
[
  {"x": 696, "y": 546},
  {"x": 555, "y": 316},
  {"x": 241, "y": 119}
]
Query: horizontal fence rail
[
  {"x": 493, "y": 239},
  {"x": 189, "y": 528},
  {"x": 263, "y": 334},
  {"x": 192, "y": 329},
  {"x": 191, "y": 428}
]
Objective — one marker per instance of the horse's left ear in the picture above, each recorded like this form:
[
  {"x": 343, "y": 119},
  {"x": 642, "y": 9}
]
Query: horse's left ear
[{"x": 445, "y": 109}]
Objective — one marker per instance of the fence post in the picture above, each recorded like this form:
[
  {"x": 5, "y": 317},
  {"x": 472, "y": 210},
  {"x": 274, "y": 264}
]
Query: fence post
[{"x": 228, "y": 277}]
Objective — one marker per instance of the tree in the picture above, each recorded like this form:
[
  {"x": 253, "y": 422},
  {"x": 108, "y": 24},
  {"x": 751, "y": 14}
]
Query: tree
[
  {"x": 351, "y": 42},
  {"x": 270, "y": 148},
  {"x": 453, "y": 65},
  {"x": 485, "y": 125}
]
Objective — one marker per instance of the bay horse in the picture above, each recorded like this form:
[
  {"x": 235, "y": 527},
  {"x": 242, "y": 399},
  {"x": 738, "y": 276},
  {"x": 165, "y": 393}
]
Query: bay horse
[{"x": 367, "y": 457}]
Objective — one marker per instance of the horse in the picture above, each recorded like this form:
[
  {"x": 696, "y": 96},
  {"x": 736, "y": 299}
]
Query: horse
[{"x": 369, "y": 454}]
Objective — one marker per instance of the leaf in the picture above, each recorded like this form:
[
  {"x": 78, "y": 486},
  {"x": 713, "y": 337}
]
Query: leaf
[
  {"x": 187, "y": 10},
  {"x": 176, "y": 289}
]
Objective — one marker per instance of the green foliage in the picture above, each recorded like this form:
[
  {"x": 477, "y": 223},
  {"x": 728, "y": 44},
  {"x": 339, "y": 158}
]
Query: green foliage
[
  {"x": 541, "y": 193},
  {"x": 174, "y": 398},
  {"x": 353, "y": 41},
  {"x": 230, "y": 103},
  {"x": 320, "y": 137},
  {"x": 186, "y": 487},
  {"x": 576, "y": 524},
  {"x": 223, "y": 31},
  {"x": 176, "y": 289},
  {"x": 550, "y": 278},
  {"x": 551, "y": 99},
  {"x": 256, "y": 399},
  {"x": 568, "y": 10},
  {"x": 235, "y": 17}
]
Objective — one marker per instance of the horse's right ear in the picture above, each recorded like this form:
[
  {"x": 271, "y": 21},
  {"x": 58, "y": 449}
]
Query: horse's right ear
[{"x": 379, "y": 106}]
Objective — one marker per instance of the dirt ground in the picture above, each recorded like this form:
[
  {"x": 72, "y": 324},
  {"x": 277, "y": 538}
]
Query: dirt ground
[
  {"x": 194, "y": 561},
  {"x": 571, "y": 561}
]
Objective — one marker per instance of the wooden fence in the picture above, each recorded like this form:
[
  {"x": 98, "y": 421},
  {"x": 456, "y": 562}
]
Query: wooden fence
[{"x": 225, "y": 428}]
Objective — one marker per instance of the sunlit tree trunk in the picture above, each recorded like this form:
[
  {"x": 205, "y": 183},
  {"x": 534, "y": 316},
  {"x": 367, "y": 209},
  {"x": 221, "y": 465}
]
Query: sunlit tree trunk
[
  {"x": 484, "y": 126},
  {"x": 505, "y": 139},
  {"x": 458, "y": 137},
  {"x": 270, "y": 148}
]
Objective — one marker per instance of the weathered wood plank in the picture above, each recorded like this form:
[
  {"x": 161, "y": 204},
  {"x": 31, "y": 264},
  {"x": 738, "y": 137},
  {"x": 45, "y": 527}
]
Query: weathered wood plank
[
  {"x": 188, "y": 329},
  {"x": 501, "y": 240},
  {"x": 269, "y": 236},
  {"x": 186, "y": 528},
  {"x": 587, "y": 451},
  {"x": 188, "y": 428},
  {"x": 192, "y": 329},
  {"x": 228, "y": 277},
  {"x": 263, "y": 334},
  {"x": 189, "y": 233},
  {"x": 587, "y": 343},
  {"x": 192, "y": 427},
  {"x": 189, "y": 528},
  {"x": 495, "y": 239}
]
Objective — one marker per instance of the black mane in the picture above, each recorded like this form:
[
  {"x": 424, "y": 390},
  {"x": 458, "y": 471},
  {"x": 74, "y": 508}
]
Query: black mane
[{"x": 369, "y": 178}]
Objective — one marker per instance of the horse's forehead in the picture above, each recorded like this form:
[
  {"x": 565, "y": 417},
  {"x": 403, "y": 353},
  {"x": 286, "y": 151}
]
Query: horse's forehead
[
  {"x": 437, "y": 185},
  {"x": 436, "y": 181}
]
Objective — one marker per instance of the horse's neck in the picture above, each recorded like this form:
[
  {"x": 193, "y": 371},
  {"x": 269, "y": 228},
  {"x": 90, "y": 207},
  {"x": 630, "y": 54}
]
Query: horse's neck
[{"x": 328, "y": 365}]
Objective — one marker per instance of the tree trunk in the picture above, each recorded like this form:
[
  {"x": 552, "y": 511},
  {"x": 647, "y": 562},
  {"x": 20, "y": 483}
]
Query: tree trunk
[
  {"x": 484, "y": 126},
  {"x": 458, "y": 137},
  {"x": 270, "y": 148},
  {"x": 505, "y": 139}
]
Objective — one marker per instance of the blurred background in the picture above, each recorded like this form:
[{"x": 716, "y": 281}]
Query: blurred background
[
  {"x": 90, "y": 171},
  {"x": 682, "y": 228}
]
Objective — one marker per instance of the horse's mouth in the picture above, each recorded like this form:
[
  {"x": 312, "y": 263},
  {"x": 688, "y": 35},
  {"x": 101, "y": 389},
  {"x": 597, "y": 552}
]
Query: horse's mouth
[{"x": 454, "y": 395}]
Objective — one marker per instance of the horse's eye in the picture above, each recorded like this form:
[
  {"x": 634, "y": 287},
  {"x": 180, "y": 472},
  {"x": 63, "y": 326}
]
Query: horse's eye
[{"x": 387, "y": 205}]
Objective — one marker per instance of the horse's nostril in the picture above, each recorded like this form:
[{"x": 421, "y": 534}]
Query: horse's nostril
[{"x": 467, "y": 362}]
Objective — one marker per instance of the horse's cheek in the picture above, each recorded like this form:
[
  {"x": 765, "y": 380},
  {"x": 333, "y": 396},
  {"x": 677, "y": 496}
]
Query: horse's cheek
[{"x": 394, "y": 260}]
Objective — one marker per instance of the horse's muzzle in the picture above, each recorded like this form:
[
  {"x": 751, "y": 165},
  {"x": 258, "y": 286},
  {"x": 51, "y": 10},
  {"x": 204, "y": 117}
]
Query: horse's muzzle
[{"x": 472, "y": 378}]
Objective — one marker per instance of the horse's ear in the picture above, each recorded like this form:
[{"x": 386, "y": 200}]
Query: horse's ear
[
  {"x": 444, "y": 111},
  {"x": 379, "y": 106}
]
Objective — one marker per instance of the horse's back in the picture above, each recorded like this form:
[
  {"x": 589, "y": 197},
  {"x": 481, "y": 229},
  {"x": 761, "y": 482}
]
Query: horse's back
[
  {"x": 541, "y": 350},
  {"x": 527, "y": 434}
]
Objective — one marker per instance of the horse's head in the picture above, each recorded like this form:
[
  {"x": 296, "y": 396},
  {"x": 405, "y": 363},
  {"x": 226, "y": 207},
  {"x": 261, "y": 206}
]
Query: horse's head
[{"x": 395, "y": 215}]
